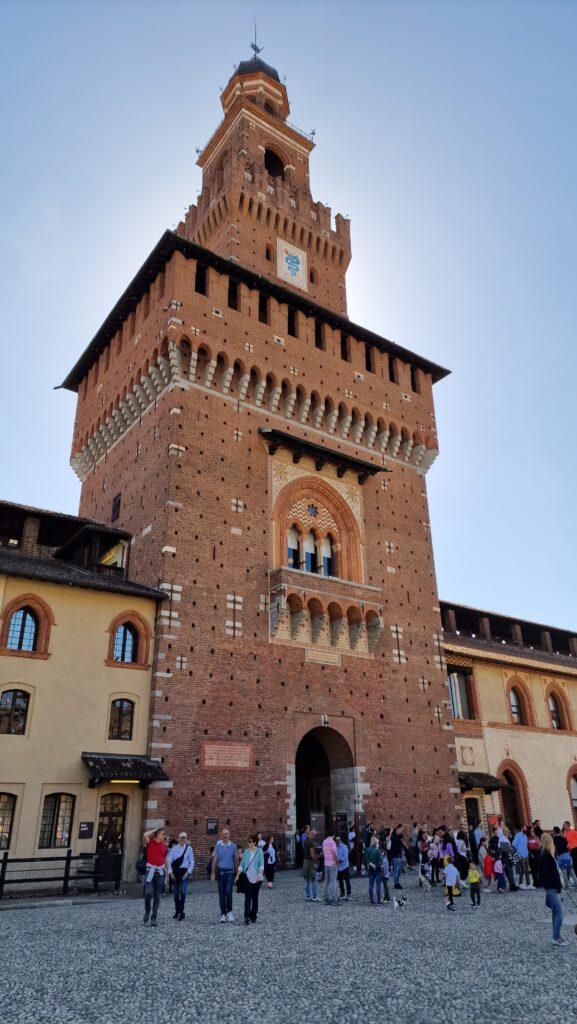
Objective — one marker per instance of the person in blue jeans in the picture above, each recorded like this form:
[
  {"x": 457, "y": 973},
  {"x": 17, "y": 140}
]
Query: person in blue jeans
[
  {"x": 374, "y": 865},
  {"x": 224, "y": 865},
  {"x": 397, "y": 850},
  {"x": 551, "y": 882},
  {"x": 180, "y": 862}
]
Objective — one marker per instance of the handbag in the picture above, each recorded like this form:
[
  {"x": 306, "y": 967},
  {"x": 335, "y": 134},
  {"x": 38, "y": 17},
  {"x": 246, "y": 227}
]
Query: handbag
[{"x": 141, "y": 864}]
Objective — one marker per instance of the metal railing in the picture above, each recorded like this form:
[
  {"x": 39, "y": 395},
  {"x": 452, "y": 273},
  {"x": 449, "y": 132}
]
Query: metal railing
[{"x": 26, "y": 877}]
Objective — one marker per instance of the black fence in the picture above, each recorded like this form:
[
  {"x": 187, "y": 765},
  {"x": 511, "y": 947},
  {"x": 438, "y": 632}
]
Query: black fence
[{"x": 26, "y": 877}]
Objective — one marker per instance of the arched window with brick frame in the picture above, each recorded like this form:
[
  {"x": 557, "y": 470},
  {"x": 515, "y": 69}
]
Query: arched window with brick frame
[
  {"x": 129, "y": 638},
  {"x": 25, "y": 627},
  {"x": 558, "y": 708},
  {"x": 519, "y": 703}
]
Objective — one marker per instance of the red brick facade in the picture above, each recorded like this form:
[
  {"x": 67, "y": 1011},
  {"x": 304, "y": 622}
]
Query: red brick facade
[{"x": 173, "y": 394}]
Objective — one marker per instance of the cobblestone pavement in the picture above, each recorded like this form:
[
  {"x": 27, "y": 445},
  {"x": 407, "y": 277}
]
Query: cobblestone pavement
[{"x": 98, "y": 963}]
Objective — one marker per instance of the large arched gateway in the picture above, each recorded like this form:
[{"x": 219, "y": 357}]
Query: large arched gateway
[{"x": 326, "y": 778}]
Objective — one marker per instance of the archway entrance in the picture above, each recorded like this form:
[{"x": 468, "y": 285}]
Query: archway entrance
[
  {"x": 513, "y": 800},
  {"x": 325, "y": 780}
]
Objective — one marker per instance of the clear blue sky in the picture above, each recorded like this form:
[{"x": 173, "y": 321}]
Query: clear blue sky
[{"x": 446, "y": 131}]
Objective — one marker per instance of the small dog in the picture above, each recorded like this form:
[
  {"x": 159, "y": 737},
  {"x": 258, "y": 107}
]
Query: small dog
[
  {"x": 400, "y": 902},
  {"x": 425, "y": 884}
]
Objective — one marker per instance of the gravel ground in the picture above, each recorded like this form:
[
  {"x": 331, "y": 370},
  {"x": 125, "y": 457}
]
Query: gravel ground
[{"x": 98, "y": 964}]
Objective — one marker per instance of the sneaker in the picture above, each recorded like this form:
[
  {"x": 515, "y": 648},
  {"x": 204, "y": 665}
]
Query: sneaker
[
  {"x": 223, "y": 918},
  {"x": 398, "y": 885},
  {"x": 246, "y": 920},
  {"x": 146, "y": 917},
  {"x": 175, "y": 916},
  {"x": 181, "y": 916},
  {"x": 315, "y": 899},
  {"x": 348, "y": 898},
  {"x": 559, "y": 942},
  {"x": 153, "y": 922},
  {"x": 308, "y": 899},
  {"x": 230, "y": 916}
]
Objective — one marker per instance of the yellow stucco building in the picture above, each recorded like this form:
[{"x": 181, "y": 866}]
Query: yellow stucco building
[
  {"x": 513, "y": 696},
  {"x": 76, "y": 647}
]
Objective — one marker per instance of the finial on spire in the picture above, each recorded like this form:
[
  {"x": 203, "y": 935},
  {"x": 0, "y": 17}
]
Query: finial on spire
[{"x": 254, "y": 46}]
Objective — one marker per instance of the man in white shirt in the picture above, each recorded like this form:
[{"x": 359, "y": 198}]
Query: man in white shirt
[{"x": 180, "y": 862}]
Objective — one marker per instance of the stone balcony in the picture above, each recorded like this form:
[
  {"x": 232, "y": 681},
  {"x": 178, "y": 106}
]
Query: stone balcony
[{"x": 327, "y": 615}]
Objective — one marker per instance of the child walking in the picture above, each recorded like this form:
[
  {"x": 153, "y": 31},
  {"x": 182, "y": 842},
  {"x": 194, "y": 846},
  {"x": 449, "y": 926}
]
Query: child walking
[
  {"x": 499, "y": 873},
  {"x": 451, "y": 881},
  {"x": 475, "y": 886},
  {"x": 488, "y": 865}
]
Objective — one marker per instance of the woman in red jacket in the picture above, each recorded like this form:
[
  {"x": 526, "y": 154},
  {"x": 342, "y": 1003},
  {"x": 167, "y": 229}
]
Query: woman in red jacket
[{"x": 155, "y": 877}]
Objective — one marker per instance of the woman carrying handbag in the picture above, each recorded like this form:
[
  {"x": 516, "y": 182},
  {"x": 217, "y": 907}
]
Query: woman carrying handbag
[{"x": 249, "y": 881}]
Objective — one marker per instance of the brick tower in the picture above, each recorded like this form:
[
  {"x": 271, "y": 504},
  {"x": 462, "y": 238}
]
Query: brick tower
[{"x": 269, "y": 457}]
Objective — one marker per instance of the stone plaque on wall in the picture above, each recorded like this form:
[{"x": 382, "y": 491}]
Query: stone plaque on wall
[{"x": 227, "y": 755}]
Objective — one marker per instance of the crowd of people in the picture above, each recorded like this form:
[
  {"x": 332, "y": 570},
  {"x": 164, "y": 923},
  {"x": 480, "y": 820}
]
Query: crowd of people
[{"x": 458, "y": 861}]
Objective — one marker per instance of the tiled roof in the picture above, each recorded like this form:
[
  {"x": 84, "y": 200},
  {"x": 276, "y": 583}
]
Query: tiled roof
[
  {"x": 508, "y": 652},
  {"x": 103, "y": 767},
  {"x": 51, "y": 570}
]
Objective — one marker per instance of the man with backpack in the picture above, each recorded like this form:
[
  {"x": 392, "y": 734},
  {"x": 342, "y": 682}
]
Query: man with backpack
[{"x": 180, "y": 862}]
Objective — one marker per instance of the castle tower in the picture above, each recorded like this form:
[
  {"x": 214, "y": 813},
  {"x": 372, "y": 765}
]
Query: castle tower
[
  {"x": 256, "y": 206},
  {"x": 269, "y": 457}
]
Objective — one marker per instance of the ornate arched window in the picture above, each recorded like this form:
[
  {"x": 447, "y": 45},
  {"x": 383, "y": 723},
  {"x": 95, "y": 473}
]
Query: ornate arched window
[
  {"x": 328, "y": 556},
  {"x": 22, "y": 630},
  {"x": 126, "y": 643},
  {"x": 14, "y": 712},
  {"x": 293, "y": 556},
  {"x": 516, "y": 707},
  {"x": 121, "y": 719}
]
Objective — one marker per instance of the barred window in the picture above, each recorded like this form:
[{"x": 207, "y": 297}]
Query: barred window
[
  {"x": 56, "y": 826},
  {"x": 23, "y": 630}
]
